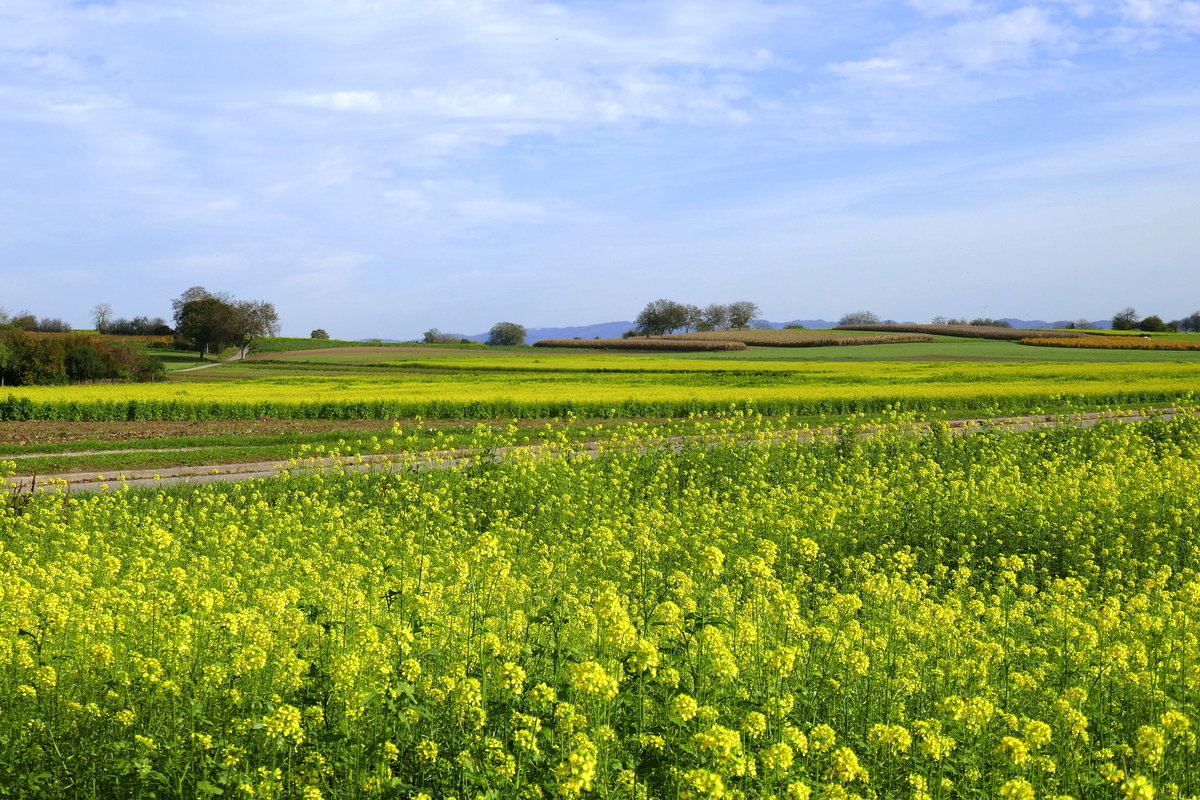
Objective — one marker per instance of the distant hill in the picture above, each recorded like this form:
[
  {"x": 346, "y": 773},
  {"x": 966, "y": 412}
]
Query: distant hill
[
  {"x": 607, "y": 330},
  {"x": 603, "y": 330}
]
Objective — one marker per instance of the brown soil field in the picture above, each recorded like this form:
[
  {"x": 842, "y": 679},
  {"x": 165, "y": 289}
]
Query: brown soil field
[
  {"x": 390, "y": 352},
  {"x": 40, "y": 431}
]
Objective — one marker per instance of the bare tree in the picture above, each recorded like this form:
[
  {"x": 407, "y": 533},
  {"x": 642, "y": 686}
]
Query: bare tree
[{"x": 102, "y": 317}]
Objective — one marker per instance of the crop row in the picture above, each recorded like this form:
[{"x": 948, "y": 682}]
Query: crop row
[
  {"x": 1115, "y": 343},
  {"x": 1015, "y": 400}
]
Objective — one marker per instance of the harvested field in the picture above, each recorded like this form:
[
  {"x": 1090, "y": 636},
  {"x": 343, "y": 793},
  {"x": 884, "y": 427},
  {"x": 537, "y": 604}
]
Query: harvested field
[
  {"x": 25, "y": 432},
  {"x": 672, "y": 344},
  {"x": 969, "y": 331},
  {"x": 1113, "y": 343}
]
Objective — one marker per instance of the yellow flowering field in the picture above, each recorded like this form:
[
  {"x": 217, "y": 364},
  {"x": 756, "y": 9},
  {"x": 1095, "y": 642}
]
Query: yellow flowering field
[
  {"x": 469, "y": 387},
  {"x": 988, "y": 616}
]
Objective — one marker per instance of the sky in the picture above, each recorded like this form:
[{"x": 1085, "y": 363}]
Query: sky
[{"x": 377, "y": 168}]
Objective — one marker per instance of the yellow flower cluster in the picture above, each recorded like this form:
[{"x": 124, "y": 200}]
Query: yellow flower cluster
[{"x": 909, "y": 616}]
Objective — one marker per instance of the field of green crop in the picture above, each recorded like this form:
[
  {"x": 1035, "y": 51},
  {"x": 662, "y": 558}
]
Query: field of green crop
[{"x": 985, "y": 616}]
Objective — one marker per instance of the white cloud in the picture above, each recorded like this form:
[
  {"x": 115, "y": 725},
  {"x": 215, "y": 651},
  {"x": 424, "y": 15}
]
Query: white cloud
[
  {"x": 340, "y": 101},
  {"x": 944, "y": 7},
  {"x": 1013, "y": 38}
]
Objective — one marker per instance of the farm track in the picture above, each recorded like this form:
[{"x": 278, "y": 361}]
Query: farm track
[{"x": 228, "y": 472}]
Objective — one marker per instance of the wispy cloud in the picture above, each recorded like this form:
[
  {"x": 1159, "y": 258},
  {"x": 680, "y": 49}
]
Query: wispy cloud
[{"x": 492, "y": 143}]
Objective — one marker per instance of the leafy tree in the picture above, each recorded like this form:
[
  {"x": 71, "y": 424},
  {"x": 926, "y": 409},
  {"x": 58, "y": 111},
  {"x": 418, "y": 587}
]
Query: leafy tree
[
  {"x": 661, "y": 316},
  {"x": 1152, "y": 324},
  {"x": 693, "y": 317},
  {"x": 1190, "y": 323},
  {"x": 26, "y": 321},
  {"x": 714, "y": 317},
  {"x": 859, "y": 318},
  {"x": 206, "y": 323},
  {"x": 1125, "y": 320},
  {"x": 988, "y": 322},
  {"x": 319, "y": 333},
  {"x": 140, "y": 326},
  {"x": 434, "y": 336},
  {"x": 741, "y": 313},
  {"x": 84, "y": 363},
  {"x": 506, "y": 333},
  {"x": 939, "y": 320},
  {"x": 253, "y": 319},
  {"x": 211, "y": 320}
]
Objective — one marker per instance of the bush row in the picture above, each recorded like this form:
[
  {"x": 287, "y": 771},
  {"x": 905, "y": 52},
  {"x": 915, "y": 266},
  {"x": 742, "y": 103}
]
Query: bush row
[{"x": 33, "y": 359}]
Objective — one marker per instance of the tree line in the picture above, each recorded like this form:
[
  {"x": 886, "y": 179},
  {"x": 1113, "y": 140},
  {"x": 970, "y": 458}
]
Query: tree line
[
  {"x": 663, "y": 316},
  {"x": 1127, "y": 319},
  {"x": 29, "y": 359},
  {"x": 204, "y": 321}
]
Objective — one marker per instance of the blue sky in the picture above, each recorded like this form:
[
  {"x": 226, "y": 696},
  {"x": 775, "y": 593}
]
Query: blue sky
[{"x": 380, "y": 167}]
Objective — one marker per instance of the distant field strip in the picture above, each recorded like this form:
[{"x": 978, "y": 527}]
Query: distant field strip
[
  {"x": 969, "y": 331},
  {"x": 646, "y": 344},
  {"x": 614, "y": 386},
  {"x": 1115, "y": 343},
  {"x": 789, "y": 337}
]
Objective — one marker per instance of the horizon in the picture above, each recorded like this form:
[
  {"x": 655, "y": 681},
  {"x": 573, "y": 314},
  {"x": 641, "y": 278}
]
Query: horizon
[{"x": 379, "y": 171}]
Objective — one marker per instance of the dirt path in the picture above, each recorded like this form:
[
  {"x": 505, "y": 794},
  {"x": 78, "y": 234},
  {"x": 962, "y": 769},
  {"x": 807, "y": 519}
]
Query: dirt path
[
  {"x": 239, "y": 355},
  {"x": 167, "y": 476}
]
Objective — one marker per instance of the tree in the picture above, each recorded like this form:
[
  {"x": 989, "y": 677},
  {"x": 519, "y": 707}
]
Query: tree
[
  {"x": 1190, "y": 323},
  {"x": 434, "y": 336},
  {"x": 102, "y": 317},
  {"x": 938, "y": 321},
  {"x": 1152, "y": 324},
  {"x": 714, "y": 317},
  {"x": 741, "y": 312},
  {"x": 661, "y": 316},
  {"x": 693, "y": 317},
  {"x": 252, "y": 319},
  {"x": 53, "y": 325},
  {"x": 319, "y": 333},
  {"x": 858, "y": 318},
  {"x": 210, "y": 320},
  {"x": 1125, "y": 320},
  {"x": 506, "y": 333},
  {"x": 206, "y": 323}
]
